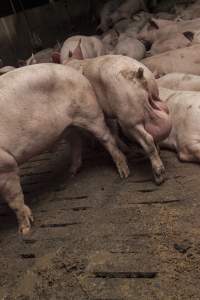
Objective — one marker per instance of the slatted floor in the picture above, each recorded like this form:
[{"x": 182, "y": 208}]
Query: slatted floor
[{"x": 102, "y": 238}]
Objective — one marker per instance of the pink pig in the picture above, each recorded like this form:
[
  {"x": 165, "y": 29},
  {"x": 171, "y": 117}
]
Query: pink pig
[{"x": 127, "y": 91}]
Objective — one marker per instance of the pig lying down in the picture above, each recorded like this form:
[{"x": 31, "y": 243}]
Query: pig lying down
[
  {"x": 180, "y": 81},
  {"x": 184, "y": 138},
  {"x": 37, "y": 105},
  {"x": 130, "y": 47},
  {"x": 127, "y": 91},
  {"x": 91, "y": 46},
  {"x": 6, "y": 69},
  {"x": 115, "y": 10},
  {"x": 184, "y": 60}
]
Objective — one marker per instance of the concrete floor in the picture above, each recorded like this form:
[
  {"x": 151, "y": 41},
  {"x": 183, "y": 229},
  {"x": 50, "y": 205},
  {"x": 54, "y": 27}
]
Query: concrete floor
[{"x": 99, "y": 237}]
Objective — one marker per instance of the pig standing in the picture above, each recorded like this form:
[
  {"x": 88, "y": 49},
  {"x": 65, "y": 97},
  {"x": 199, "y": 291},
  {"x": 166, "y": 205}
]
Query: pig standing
[
  {"x": 44, "y": 100},
  {"x": 127, "y": 91},
  {"x": 180, "y": 81},
  {"x": 91, "y": 46},
  {"x": 185, "y": 60},
  {"x": 184, "y": 109}
]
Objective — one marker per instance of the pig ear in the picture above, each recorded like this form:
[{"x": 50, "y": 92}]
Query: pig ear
[
  {"x": 140, "y": 73},
  {"x": 153, "y": 24},
  {"x": 32, "y": 60},
  {"x": 58, "y": 45},
  {"x": 189, "y": 35},
  {"x": 70, "y": 53},
  {"x": 55, "y": 57},
  {"x": 77, "y": 54}
]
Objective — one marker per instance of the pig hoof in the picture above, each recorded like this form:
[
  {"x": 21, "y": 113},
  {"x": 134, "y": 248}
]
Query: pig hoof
[
  {"x": 73, "y": 171},
  {"x": 123, "y": 168},
  {"x": 160, "y": 176},
  {"x": 26, "y": 218}
]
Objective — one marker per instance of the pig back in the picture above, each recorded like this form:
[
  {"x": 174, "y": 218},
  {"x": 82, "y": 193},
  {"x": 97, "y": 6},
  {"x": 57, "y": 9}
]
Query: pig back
[{"x": 183, "y": 60}]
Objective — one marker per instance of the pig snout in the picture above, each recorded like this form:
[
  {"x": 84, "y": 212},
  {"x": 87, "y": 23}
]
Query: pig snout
[{"x": 158, "y": 121}]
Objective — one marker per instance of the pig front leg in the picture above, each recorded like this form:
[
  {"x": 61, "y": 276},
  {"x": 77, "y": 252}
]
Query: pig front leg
[
  {"x": 146, "y": 141},
  {"x": 114, "y": 128},
  {"x": 11, "y": 191},
  {"x": 103, "y": 134}
]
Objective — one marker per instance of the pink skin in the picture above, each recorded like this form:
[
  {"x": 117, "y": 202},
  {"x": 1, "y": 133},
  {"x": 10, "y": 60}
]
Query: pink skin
[
  {"x": 139, "y": 111},
  {"x": 157, "y": 121},
  {"x": 56, "y": 57}
]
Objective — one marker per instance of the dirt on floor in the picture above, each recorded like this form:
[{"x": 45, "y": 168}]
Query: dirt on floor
[{"x": 99, "y": 237}]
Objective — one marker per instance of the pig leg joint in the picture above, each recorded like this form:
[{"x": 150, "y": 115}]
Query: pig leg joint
[
  {"x": 102, "y": 133},
  {"x": 147, "y": 143}
]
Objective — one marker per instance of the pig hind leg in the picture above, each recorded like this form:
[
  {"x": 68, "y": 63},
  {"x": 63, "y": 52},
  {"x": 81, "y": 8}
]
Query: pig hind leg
[
  {"x": 11, "y": 191},
  {"x": 146, "y": 141},
  {"x": 75, "y": 140}
]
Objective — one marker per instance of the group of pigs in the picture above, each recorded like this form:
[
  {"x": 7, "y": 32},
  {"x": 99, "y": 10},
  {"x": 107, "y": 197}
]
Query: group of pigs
[{"x": 99, "y": 85}]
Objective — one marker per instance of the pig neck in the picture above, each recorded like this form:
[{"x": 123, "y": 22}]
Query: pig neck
[{"x": 86, "y": 67}]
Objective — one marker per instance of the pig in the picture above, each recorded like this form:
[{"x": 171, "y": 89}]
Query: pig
[
  {"x": 184, "y": 138},
  {"x": 91, "y": 46},
  {"x": 127, "y": 9},
  {"x": 165, "y": 16},
  {"x": 43, "y": 56},
  {"x": 110, "y": 40},
  {"x": 122, "y": 25},
  {"x": 180, "y": 81},
  {"x": 190, "y": 12},
  {"x": 156, "y": 28},
  {"x": 129, "y": 47},
  {"x": 38, "y": 103},
  {"x": 174, "y": 41},
  {"x": 114, "y": 11},
  {"x": 6, "y": 69},
  {"x": 132, "y": 26},
  {"x": 185, "y": 60},
  {"x": 106, "y": 12},
  {"x": 127, "y": 91}
]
